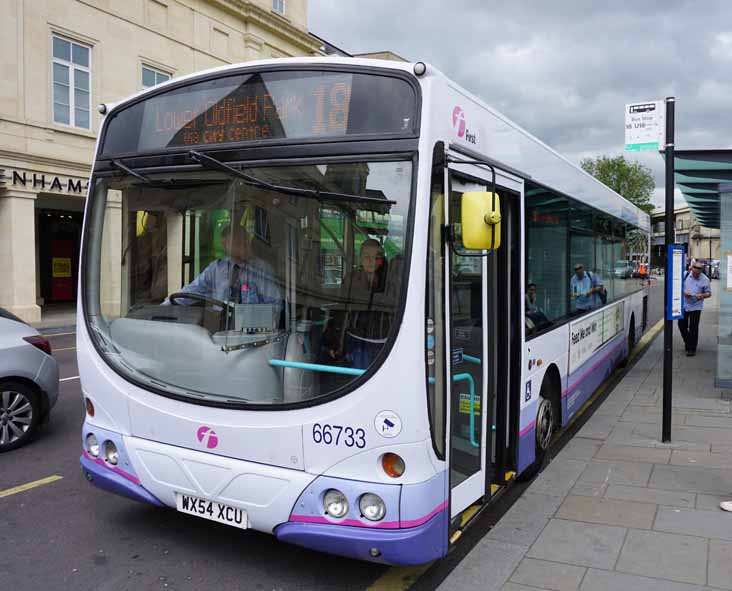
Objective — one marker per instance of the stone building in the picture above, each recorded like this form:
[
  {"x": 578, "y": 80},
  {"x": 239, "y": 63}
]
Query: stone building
[
  {"x": 700, "y": 242},
  {"x": 58, "y": 60}
]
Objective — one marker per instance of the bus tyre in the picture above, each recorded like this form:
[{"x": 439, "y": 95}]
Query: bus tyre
[
  {"x": 546, "y": 421},
  {"x": 20, "y": 414}
]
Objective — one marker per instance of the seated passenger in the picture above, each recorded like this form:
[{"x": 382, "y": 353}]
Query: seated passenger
[
  {"x": 239, "y": 278},
  {"x": 534, "y": 317},
  {"x": 586, "y": 289},
  {"x": 532, "y": 305},
  {"x": 355, "y": 336}
]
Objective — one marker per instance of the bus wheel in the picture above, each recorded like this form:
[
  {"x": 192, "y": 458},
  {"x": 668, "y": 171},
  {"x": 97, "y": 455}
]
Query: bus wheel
[{"x": 546, "y": 422}]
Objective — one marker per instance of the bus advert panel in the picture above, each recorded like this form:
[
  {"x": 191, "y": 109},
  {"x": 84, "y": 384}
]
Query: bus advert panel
[{"x": 263, "y": 107}]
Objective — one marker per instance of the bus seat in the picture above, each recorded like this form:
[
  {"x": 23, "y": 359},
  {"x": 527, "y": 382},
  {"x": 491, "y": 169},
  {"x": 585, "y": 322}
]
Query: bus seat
[{"x": 300, "y": 384}]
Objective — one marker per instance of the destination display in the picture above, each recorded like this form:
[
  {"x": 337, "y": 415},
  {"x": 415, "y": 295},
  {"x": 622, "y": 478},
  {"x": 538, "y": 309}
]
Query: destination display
[{"x": 264, "y": 107}]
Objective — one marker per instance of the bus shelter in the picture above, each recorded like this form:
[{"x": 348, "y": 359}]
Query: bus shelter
[{"x": 705, "y": 179}]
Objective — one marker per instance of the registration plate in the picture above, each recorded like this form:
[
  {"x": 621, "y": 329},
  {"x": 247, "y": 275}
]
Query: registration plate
[{"x": 211, "y": 510}]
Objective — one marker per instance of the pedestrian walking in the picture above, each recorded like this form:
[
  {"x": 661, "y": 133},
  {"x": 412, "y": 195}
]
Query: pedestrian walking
[{"x": 696, "y": 289}]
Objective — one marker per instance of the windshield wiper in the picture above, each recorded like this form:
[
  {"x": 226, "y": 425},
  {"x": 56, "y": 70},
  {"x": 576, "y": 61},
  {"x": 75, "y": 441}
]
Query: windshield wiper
[
  {"x": 168, "y": 183},
  {"x": 120, "y": 166},
  {"x": 212, "y": 163}
]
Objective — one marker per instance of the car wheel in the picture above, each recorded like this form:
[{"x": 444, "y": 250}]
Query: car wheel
[{"x": 20, "y": 413}]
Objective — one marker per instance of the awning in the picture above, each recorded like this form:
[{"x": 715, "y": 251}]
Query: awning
[{"x": 699, "y": 174}]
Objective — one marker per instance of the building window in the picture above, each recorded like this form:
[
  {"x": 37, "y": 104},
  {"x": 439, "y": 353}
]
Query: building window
[
  {"x": 278, "y": 6},
  {"x": 152, "y": 77},
  {"x": 71, "y": 83}
]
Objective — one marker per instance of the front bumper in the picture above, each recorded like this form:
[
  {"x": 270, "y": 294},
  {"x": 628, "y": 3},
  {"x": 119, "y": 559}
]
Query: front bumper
[
  {"x": 410, "y": 546},
  {"x": 118, "y": 483}
]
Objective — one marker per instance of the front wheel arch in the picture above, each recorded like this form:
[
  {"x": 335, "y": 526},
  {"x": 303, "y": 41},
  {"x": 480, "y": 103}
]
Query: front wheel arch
[
  {"x": 551, "y": 391},
  {"x": 549, "y": 408}
]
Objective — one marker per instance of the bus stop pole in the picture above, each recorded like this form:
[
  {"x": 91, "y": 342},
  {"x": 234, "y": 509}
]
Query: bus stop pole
[{"x": 668, "y": 325}]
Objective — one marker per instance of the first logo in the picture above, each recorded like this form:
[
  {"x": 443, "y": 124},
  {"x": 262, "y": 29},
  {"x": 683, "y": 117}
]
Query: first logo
[{"x": 207, "y": 436}]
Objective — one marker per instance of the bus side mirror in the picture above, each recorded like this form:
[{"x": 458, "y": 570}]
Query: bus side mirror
[{"x": 481, "y": 220}]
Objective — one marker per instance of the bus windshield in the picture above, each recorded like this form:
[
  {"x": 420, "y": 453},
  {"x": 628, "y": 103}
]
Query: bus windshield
[{"x": 209, "y": 286}]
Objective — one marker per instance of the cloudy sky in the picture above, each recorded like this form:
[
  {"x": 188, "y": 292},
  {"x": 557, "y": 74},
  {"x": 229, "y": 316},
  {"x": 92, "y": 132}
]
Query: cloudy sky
[{"x": 563, "y": 69}]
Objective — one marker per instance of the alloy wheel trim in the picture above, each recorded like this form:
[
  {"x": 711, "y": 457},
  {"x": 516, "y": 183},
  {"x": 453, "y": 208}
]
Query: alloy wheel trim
[
  {"x": 544, "y": 423},
  {"x": 16, "y": 416}
]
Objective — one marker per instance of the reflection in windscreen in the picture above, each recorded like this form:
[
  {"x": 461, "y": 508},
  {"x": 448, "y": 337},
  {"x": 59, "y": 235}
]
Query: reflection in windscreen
[{"x": 209, "y": 286}]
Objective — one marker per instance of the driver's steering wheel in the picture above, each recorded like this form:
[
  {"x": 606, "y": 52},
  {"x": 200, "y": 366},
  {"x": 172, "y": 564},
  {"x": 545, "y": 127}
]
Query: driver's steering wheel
[{"x": 200, "y": 300}]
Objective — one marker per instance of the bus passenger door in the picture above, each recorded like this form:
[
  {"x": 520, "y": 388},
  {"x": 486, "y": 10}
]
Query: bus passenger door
[{"x": 471, "y": 399}]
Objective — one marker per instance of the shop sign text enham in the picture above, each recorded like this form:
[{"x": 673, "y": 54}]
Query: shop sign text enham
[{"x": 43, "y": 182}]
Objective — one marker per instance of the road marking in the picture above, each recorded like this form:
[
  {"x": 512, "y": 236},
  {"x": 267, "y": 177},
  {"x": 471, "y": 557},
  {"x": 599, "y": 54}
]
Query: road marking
[
  {"x": 67, "y": 379},
  {"x": 30, "y": 485},
  {"x": 399, "y": 578},
  {"x": 57, "y": 334},
  {"x": 64, "y": 349}
]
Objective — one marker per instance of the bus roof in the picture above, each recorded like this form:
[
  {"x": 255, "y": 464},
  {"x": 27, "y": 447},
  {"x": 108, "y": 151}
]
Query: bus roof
[{"x": 493, "y": 134}]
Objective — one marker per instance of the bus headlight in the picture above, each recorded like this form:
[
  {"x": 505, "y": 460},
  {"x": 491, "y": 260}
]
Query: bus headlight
[
  {"x": 110, "y": 453},
  {"x": 372, "y": 507},
  {"x": 92, "y": 445},
  {"x": 335, "y": 503}
]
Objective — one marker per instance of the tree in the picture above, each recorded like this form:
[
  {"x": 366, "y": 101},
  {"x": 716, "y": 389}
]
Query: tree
[{"x": 631, "y": 179}]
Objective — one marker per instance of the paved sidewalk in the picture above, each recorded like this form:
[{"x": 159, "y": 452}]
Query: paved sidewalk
[
  {"x": 617, "y": 510},
  {"x": 55, "y": 317}
]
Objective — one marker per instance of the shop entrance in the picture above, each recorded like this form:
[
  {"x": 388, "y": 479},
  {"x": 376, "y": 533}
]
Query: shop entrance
[{"x": 59, "y": 239}]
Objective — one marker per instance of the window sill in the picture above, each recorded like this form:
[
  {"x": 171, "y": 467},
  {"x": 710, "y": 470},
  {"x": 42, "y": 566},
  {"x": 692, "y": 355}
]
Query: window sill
[
  {"x": 73, "y": 130},
  {"x": 281, "y": 15}
]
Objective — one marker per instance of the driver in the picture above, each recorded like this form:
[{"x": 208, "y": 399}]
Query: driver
[{"x": 239, "y": 278}]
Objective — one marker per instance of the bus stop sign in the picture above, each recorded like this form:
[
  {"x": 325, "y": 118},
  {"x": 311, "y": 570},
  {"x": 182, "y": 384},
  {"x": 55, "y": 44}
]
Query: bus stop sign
[
  {"x": 675, "y": 282},
  {"x": 645, "y": 126}
]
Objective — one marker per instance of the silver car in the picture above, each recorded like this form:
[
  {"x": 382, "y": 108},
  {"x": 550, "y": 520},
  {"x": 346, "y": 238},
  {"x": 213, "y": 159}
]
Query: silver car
[{"x": 28, "y": 381}]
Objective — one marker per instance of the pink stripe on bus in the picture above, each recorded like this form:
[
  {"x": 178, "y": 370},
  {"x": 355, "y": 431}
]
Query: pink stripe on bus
[
  {"x": 527, "y": 428},
  {"x": 421, "y": 520},
  {"x": 101, "y": 462},
  {"x": 531, "y": 425},
  {"x": 351, "y": 522},
  {"x": 357, "y": 523},
  {"x": 593, "y": 368}
]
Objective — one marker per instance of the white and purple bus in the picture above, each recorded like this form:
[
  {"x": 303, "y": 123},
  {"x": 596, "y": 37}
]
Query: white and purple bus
[{"x": 340, "y": 301}]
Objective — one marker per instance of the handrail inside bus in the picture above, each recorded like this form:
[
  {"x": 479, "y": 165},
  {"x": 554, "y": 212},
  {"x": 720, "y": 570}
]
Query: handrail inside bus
[
  {"x": 459, "y": 378},
  {"x": 349, "y": 371},
  {"x": 462, "y": 377}
]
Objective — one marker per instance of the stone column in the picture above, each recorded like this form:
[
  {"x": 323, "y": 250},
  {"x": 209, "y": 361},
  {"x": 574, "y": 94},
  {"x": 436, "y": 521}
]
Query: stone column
[{"x": 18, "y": 255}]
